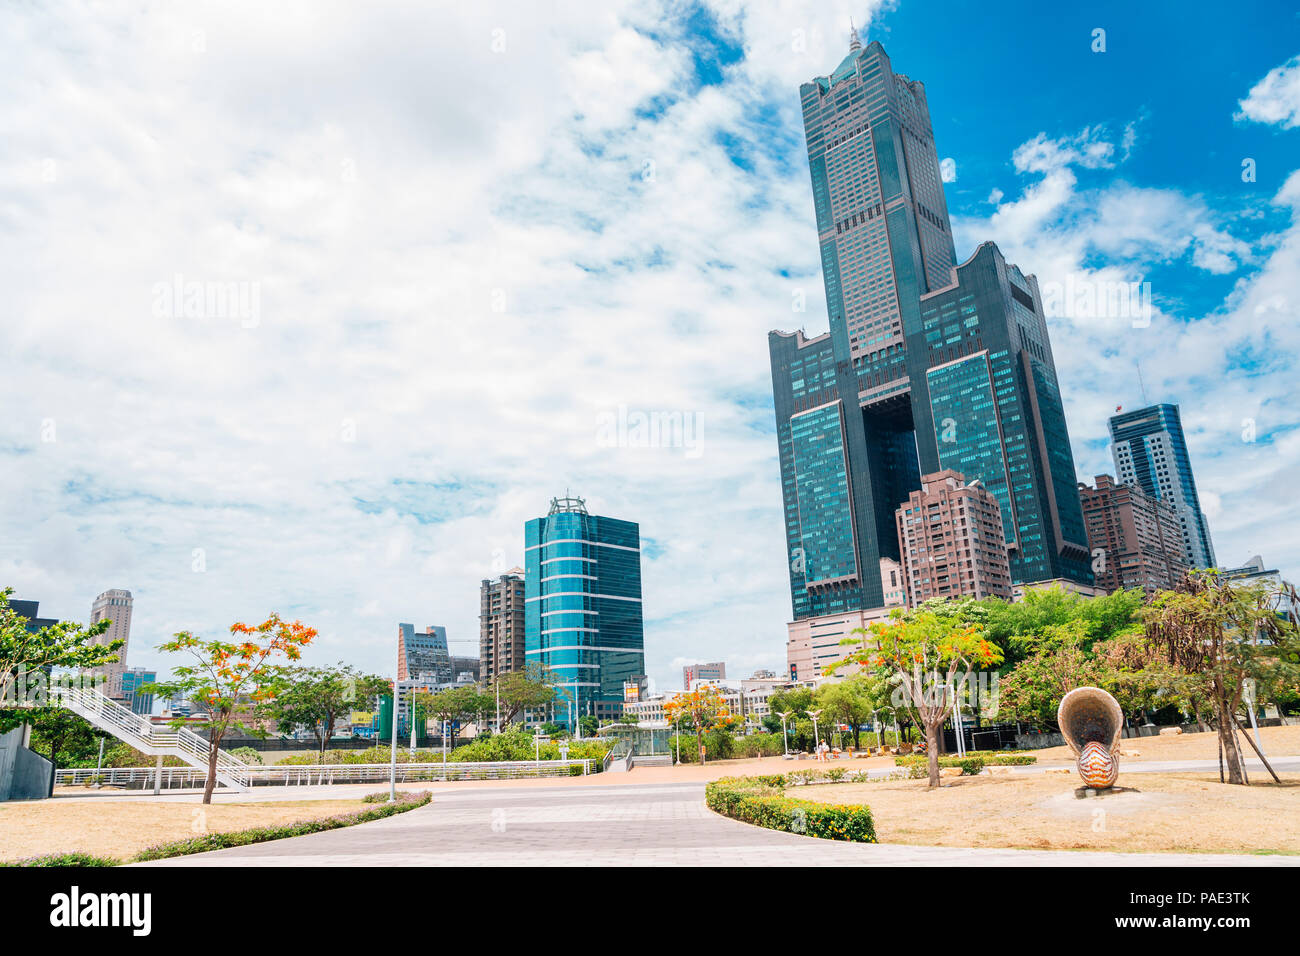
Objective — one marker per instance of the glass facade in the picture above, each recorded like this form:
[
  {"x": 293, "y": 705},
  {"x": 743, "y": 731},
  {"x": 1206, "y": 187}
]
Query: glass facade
[
  {"x": 582, "y": 608},
  {"x": 1151, "y": 451},
  {"x": 927, "y": 364}
]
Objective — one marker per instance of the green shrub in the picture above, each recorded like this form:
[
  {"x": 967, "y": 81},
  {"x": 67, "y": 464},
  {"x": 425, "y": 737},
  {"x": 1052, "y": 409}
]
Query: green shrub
[
  {"x": 991, "y": 758},
  {"x": 247, "y": 755},
  {"x": 762, "y": 802},
  {"x": 971, "y": 766},
  {"x": 65, "y": 859}
]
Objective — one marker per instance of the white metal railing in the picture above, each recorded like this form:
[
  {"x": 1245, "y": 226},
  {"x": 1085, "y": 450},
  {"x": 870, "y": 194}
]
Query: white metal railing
[
  {"x": 326, "y": 774},
  {"x": 144, "y": 735}
]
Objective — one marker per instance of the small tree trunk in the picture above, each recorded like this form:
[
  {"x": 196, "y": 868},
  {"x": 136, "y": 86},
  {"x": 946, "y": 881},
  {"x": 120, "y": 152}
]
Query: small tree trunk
[
  {"x": 1228, "y": 740},
  {"x": 932, "y": 752},
  {"x": 210, "y": 784}
]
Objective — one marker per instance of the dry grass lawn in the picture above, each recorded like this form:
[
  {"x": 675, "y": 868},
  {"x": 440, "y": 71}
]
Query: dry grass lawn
[
  {"x": 1175, "y": 812},
  {"x": 121, "y": 828},
  {"x": 1278, "y": 741}
]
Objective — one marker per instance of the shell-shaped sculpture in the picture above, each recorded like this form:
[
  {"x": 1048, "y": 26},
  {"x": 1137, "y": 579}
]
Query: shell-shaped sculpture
[
  {"x": 1097, "y": 767},
  {"x": 1091, "y": 721}
]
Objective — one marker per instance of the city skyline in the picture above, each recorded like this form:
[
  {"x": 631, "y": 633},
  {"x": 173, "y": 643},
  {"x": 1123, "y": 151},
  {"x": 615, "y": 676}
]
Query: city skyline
[{"x": 358, "y": 435}]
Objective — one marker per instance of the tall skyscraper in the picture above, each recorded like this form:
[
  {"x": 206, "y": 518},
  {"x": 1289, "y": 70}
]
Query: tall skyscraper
[
  {"x": 582, "y": 607},
  {"x": 927, "y": 366},
  {"x": 1151, "y": 452},
  {"x": 951, "y": 536},
  {"x": 116, "y": 605},
  {"x": 423, "y": 656},
  {"x": 1136, "y": 538},
  {"x": 501, "y": 625}
]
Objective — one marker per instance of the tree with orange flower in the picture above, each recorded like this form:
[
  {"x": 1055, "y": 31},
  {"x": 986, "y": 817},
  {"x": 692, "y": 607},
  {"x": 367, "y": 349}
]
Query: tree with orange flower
[
  {"x": 929, "y": 654},
  {"x": 704, "y": 708},
  {"x": 228, "y": 675}
]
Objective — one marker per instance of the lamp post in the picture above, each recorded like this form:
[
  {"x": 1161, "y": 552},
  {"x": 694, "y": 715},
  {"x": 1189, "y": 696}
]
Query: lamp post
[
  {"x": 785, "y": 739},
  {"x": 814, "y": 714}
]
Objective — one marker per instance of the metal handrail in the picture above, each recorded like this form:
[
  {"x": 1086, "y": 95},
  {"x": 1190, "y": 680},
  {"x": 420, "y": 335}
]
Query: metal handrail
[{"x": 326, "y": 774}]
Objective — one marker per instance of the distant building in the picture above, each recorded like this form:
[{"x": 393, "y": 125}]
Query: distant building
[
  {"x": 1151, "y": 452},
  {"x": 1254, "y": 571},
  {"x": 501, "y": 625},
  {"x": 1136, "y": 539},
  {"x": 115, "y": 605},
  {"x": 465, "y": 667},
  {"x": 582, "y": 608},
  {"x": 712, "y": 671},
  {"x": 421, "y": 655},
  {"x": 139, "y": 701},
  {"x": 813, "y": 643},
  {"x": 950, "y": 534},
  {"x": 31, "y": 611}
]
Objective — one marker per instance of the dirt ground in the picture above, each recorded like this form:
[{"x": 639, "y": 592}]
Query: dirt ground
[
  {"x": 121, "y": 827},
  {"x": 1183, "y": 812}
]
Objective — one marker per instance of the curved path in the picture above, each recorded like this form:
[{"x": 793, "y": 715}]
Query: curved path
[{"x": 623, "y": 825}]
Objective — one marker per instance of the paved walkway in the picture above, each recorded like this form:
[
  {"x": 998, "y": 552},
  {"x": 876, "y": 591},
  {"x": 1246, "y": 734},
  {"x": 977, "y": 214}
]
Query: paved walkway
[{"x": 624, "y": 825}]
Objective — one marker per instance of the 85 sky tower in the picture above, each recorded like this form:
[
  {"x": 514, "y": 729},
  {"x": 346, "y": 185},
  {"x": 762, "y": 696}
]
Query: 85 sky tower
[{"x": 927, "y": 364}]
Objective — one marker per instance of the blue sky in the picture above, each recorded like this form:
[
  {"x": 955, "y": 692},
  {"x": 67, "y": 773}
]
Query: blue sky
[{"x": 460, "y": 239}]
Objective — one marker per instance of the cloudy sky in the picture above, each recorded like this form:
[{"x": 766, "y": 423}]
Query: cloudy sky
[{"x": 309, "y": 306}]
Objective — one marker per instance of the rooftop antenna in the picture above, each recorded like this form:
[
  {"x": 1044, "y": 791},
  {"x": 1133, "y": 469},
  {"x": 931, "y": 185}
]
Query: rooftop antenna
[
  {"x": 1140, "y": 383},
  {"x": 854, "y": 43}
]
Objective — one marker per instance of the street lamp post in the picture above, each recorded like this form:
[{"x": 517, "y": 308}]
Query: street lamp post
[
  {"x": 814, "y": 714},
  {"x": 785, "y": 738}
]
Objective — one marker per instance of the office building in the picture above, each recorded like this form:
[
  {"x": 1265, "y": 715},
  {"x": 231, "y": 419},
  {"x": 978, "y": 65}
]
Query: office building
[
  {"x": 582, "y": 607},
  {"x": 950, "y": 534},
  {"x": 501, "y": 625},
  {"x": 133, "y": 678},
  {"x": 1136, "y": 539},
  {"x": 716, "y": 670},
  {"x": 928, "y": 365},
  {"x": 116, "y": 605},
  {"x": 423, "y": 656},
  {"x": 31, "y": 611},
  {"x": 1151, "y": 452}
]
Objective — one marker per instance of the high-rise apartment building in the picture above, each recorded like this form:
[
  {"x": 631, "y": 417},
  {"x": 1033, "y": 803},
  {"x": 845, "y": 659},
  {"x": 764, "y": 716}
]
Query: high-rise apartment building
[
  {"x": 951, "y": 537},
  {"x": 715, "y": 670},
  {"x": 1136, "y": 539},
  {"x": 501, "y": 625},
  {"x": 928, "y": 365},
  {"x": 582, "y": 607},
  {"x": 116, "y": 605},
  {"x": 423, "y": 656},
  {"x": 1151, "y": 452}
]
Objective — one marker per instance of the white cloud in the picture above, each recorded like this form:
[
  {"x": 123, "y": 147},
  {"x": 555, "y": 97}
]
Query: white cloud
[
  {"x": 1275, "y": 98},
  {"x": 460, "y": 265}
]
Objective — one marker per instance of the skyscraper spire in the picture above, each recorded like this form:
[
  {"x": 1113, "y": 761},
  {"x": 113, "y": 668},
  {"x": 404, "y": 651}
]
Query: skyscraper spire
[{"x": 854, "y": 43}]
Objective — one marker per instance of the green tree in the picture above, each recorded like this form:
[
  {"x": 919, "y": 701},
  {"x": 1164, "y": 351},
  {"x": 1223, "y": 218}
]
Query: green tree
[
  {"x": 457, "y": 705},
  {"x": 1221, "y": 635},
  {"x": 588, "y": 725},
  {"x": 67, "y": 738},
  {"x": 27, "y": 659},
  {"x": 849, "y": 702},
  {"x": 1055, "y": 664},
  {"x": 317, "y": 697},
  {"x": 228, "y": 675},
  {"x": 703, "y": 709},
  {"x": 928, "y": 651},
  {"x": 528, "y": 689}
]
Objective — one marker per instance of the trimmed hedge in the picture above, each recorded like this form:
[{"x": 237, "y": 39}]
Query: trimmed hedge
[
  {"x": 762, "y": 802},
  {"x": 222, "y": 841}
]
